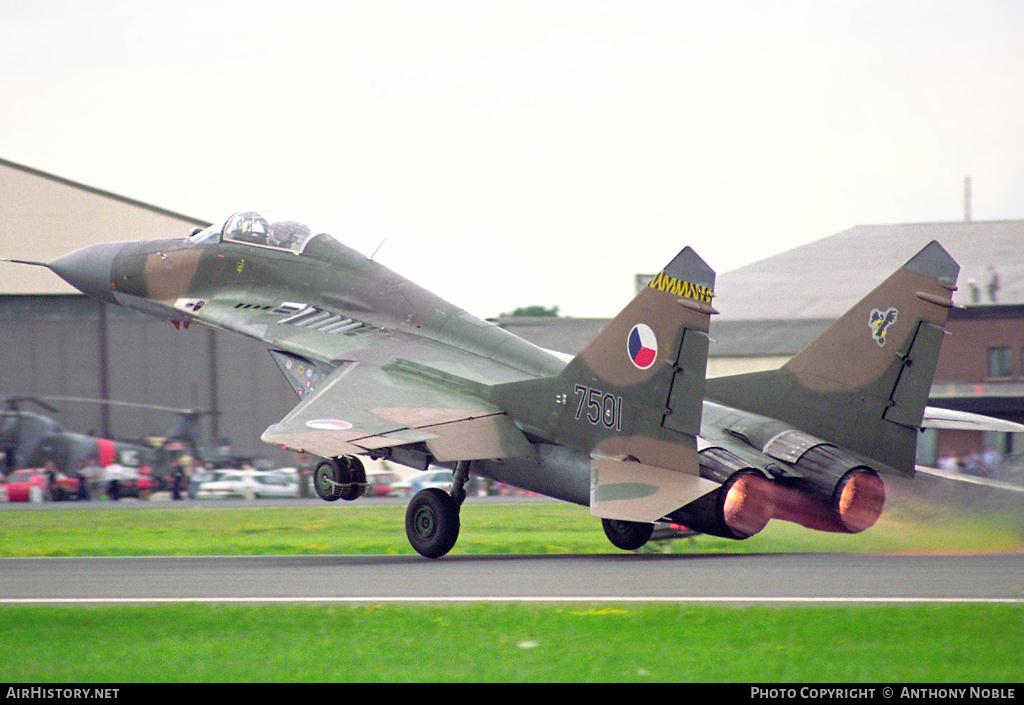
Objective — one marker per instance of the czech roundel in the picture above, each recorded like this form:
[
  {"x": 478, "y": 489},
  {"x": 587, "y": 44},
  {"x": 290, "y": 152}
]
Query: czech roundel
[
  {"x": 329, "y": 424},
  {"x": 642, "y": 346}
]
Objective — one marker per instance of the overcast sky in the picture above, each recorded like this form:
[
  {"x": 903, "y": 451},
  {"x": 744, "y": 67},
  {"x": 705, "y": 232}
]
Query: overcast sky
[{"x": 513, "y": 152}]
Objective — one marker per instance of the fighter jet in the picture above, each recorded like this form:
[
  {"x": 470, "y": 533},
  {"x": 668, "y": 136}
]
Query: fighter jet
[{"x": 630, "y": 427}]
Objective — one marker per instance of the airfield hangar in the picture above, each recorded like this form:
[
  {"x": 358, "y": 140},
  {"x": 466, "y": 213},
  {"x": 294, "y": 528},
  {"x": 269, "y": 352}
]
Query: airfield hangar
[{"x": 55, "y": 342}]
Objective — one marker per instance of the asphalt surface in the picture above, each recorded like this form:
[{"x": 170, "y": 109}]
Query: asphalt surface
[{"x": 627, "y": 577}]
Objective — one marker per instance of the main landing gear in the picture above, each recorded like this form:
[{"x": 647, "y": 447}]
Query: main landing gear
[
  {"x": 340, "y": 478},
  {"x": 627, "y": 535},
  {"x": 432, "y": 517}
]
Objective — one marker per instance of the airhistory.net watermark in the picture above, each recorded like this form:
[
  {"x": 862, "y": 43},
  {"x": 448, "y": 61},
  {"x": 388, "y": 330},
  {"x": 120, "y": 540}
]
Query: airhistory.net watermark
[{"x": 51, "y": 693}]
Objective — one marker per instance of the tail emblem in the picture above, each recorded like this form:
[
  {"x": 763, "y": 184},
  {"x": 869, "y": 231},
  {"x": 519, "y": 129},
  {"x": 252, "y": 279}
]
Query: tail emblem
[
  {"x": 677, "y": 287},
  {"x": 642, "y": 346},
  {"x": 879, "y": 322}
]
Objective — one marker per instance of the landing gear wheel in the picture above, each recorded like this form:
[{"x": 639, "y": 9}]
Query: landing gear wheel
[
  {"x": 356, "y": 478},
  {"x": 340, "y": 478},
  {"x": 432, "y": 522},
  {"x": 627, "y": 535},
  {"x": 325, "y": 478}
]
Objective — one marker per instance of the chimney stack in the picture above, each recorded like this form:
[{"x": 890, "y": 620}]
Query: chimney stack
[{"x": 967, "y": 199}]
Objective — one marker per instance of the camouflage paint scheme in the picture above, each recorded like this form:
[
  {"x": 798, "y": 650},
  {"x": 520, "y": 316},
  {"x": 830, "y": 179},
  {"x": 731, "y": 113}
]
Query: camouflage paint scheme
[{"x": 630, "y": 427}]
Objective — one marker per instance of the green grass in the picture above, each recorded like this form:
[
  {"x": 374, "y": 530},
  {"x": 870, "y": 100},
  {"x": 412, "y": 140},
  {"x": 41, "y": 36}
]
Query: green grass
[
  {"x": 524, "y": 528},
  {"x": 513, "y": 643}
]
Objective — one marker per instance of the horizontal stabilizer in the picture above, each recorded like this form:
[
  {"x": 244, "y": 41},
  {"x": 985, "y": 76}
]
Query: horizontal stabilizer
[
  {"x": 970, "y": 479},
  {"x": 935, "y": 417}
]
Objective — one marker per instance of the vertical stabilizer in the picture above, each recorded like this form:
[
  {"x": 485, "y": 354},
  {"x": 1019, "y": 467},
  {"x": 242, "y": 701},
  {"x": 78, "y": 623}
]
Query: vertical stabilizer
[
  {"x": 632, "y": 398},
  {"x": 863, "y": 384}
]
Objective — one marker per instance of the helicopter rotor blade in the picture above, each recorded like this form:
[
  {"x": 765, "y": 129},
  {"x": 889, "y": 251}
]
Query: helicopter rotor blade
[
  {"x": 11, "y": 403},
  {"x": 130, "y": 404}
]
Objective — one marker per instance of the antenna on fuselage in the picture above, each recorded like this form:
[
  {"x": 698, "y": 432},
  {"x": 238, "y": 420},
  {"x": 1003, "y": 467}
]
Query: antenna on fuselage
[{"x": 378, "y": 248}]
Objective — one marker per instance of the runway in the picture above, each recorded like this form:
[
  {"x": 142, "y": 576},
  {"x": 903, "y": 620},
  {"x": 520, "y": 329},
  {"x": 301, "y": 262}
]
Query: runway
[{"x": 764, "y": 578}]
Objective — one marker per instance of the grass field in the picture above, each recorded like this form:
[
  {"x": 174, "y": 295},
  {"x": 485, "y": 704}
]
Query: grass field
[
  {"x": 513, "y": 643},
  {"x": 507, "y": 643}
]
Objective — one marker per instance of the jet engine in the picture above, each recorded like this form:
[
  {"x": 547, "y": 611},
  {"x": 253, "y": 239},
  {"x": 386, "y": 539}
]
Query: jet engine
[
  {"x": 834, "y": 490},
  {"x": 791, "y": 476},
  {"x": 740, "y": 508}
]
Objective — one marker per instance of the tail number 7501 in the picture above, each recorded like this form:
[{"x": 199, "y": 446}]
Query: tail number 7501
[{"x": 599, "y": 407}]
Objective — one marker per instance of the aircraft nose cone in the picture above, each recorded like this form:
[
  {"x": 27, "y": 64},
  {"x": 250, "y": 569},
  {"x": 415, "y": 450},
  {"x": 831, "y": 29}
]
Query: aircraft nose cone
[{"x": 88, "y": 269}]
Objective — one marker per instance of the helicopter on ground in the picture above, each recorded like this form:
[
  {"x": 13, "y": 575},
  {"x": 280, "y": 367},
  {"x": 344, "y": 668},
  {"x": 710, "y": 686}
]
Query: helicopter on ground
[{"x": 33, "y": 440}]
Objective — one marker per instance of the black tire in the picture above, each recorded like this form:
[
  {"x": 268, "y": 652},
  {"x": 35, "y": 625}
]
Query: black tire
[
  {"x": 432, "y": 522},
  {"x": 356, "y": 477},
  {"x": 627, "y": 535},
  {"x": 327, "y": 472}
]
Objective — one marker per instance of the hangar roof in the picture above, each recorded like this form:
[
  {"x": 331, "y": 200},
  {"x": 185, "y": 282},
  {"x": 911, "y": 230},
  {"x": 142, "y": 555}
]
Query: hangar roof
[
  {"x": 43, "y": 216},
  {"x": 823, "y": 279}
]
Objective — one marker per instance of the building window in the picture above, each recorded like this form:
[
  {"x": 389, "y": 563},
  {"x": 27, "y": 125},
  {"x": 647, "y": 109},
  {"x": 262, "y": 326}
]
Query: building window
[{"x": 1000, "y": 362}]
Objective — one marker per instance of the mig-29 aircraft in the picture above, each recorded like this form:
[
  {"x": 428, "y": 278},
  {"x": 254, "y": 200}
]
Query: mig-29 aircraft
[{"x": 629, "y": 427}]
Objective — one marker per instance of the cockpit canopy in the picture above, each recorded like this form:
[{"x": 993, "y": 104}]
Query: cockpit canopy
[{"x": 252, "y": 228}]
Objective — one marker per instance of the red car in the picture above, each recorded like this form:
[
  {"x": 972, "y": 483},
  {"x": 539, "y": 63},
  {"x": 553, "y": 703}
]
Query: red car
[
  {"x": 378, "y": 483},
  {"x": 130, "y": 482},
  {"x": 30, "y": 485}
]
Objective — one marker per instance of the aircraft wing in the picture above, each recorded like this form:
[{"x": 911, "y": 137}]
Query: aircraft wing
[{"x": 359, "y": 408}]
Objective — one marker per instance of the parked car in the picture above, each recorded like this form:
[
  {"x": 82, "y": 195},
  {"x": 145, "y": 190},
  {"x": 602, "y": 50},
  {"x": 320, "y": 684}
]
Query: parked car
[
  {"x": 422, "y": 480},
  {"x": 123, "y": 481},
  {"x": 31, "y": 485},
  {"x": 290, "y": 474},
  {"x": 200, "y": 478},
  {"x": 380, "y": 483},
  {"x": 249, "y": 484}
]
